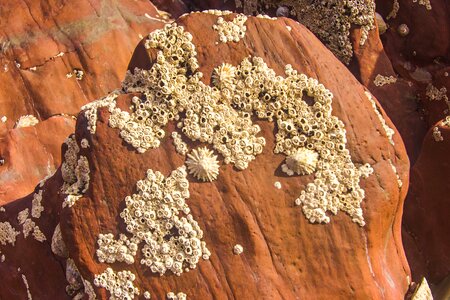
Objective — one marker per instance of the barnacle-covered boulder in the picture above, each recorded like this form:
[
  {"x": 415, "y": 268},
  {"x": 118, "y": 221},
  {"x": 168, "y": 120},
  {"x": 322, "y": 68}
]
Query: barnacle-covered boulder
[{"x": 339, "y": 225}]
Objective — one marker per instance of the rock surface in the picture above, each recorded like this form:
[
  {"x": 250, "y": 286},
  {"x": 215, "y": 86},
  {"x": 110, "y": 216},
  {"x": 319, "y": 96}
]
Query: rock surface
[
  {"x": 427, "y": 211},
  {"x": 38, "y": 57},
  {"x": 31, "y": 154},
  {"x": 244, "y": 207},
  {"x": 271, "y": 231},
  {"x": 422, "y": 57}
]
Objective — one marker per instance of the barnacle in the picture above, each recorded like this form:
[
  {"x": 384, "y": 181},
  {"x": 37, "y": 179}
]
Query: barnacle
[
  {"x": 403, "y": 29},
  {"x": 224, "y": 75},
  {"x": 203, "y": 164},
  {"x": 238, "y": 249},
  {"x": 301, "y": 162}
]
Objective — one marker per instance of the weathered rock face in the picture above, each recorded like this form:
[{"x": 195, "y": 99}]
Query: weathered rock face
[
  {"x": 373, "y": 68},
  {"x": 52, "y": 66},
  {"x": 421, "y": 57},
  {"x": 290, "y": 257},
  {"x": 24, "y": 264},
  {"x": 44, "y": 51},
  {"x": 29, "y": 154},
  {"x": 427, "y": 211}
]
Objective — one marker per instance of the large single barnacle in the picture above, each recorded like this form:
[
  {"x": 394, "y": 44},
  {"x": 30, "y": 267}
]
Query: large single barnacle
[
  {"x": 301, "y": 162},
  {"x": 203, "y": 164},
  {"x": 223, "y": 75}
]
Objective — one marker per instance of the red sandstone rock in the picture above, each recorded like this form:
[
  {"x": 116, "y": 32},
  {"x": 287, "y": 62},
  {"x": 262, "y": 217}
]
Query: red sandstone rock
[
  {"x": 426, "y": 216},
  {"x": 45, "y": 41},
  {"x": 290, "y": 257},
  {"x": 37, "y": 54},
  {"x": 44, "y": 272},
  {"x": 30, "y": 154},
  {"x": 422, "y": 58},
  {"x": 397, "y": 99}
]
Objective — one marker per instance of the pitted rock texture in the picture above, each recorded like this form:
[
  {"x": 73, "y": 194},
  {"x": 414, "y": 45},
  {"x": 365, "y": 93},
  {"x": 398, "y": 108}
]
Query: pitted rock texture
[{"x": 282, "y": 249}]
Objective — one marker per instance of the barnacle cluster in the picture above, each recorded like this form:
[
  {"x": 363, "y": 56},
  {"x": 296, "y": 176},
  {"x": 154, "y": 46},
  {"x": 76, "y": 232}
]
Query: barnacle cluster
[
  {"x": 231, "y": 31},
  {"x": 426, "y": 3},
  {"x": 158, "y": 216},
  {"x": 389, "y": 131},
  {"x": 394, "y": 169},
  {"x": 446, "y": 121},
  {"x": 203, "y": 164},
  {"x": 36, "y": 205},
  {"x": 75, "y": 173},
  {"x": 120, "y": 284},
  {"x": 28, "y": 225},
  {"x": 394, "y": 11},
  {"x": 180, "y": 146},
  {"x": 7, "y": 234},
  {"x": 178, "y": 296},
  {"x": 78, "y": 287},
  {"x": 26, "y": 121},
  {"x": 121, "y": 250},
  {"x": 381, "y": 80},
  {"x": 329, "y": 20},
  {"x": 435, "y": 94},
  {"x": 90, "y": 109},
  {"x": 221, "y": 115},
  {"x": 27, "y": 286},
  {"x": 423, "y": 291}
]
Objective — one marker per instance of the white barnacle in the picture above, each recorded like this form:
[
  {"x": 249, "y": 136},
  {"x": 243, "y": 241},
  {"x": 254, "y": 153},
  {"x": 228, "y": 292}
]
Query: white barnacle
[
  {"x": 203, "y": 164},
  {"x": 224, "y": 75},
  {"x": 238, "y": 249},
  {"x": 301, "y": 162}
]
